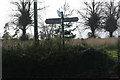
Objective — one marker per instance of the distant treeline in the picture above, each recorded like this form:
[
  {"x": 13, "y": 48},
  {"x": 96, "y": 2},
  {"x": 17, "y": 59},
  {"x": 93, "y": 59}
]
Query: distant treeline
[{"x": 96, "y": 16}]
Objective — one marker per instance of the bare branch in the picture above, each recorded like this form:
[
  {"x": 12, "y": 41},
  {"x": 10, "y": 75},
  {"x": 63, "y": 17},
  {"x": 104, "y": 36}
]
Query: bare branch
[{"x": 88, "y": 5}]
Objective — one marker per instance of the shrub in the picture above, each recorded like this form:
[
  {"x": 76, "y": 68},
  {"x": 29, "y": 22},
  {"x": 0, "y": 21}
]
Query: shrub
[{"x": 46, "y": 60}]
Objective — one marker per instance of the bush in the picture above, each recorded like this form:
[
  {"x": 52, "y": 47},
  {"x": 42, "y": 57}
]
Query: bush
[{"x": 47, "y": 60}]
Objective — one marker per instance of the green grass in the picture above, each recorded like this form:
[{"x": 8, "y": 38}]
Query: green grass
[{"x": 111, "y": 50}]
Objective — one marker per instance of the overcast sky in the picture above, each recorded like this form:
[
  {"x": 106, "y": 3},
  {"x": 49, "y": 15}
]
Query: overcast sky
[{"x": 50, "y": 12}]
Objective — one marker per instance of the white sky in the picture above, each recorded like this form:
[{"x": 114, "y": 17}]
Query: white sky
[{"x": 50, "y": 12}]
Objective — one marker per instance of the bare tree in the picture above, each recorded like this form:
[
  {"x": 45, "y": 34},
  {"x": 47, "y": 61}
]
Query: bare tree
[
  {"x": 67, "y": 12},
  {"x": 22, "y": 18},
  {"x": 48, "y": 31},
  {"x": 92, "y": 16},
  {"x": 6, "y": 34},
  {"x": 112, "y": 15}
]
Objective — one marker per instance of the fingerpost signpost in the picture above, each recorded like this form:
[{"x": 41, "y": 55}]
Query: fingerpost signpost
[{"x": 61, "y": 21}]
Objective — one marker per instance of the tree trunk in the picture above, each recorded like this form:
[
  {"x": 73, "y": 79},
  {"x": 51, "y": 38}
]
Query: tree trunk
[
  {"x": 24, "y": 32},
  {"x": 93, "y": 34},
  {"x": 24, "y": 36},
  {"x": 111, "y": 34}
]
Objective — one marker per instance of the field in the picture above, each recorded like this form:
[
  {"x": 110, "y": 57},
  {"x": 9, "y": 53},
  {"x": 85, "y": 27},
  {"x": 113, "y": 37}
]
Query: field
[
  {"x": 90, "y": 41},
  {"x": 109, "y": 45},
  {"x": 89, "y": 58},
  {"x": 96, "y": 42}
]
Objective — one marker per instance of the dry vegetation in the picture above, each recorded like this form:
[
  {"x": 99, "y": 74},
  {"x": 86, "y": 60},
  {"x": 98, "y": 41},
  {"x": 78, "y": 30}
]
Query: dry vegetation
[
  {"x": 91, "y": 41},
  {"x": 14, "y": 43},
  {"x": 94, "y": 42}
]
